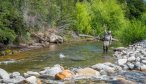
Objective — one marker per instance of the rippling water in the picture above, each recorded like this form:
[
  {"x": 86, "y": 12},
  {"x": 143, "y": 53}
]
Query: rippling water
[{"x": 76, "y": 55}]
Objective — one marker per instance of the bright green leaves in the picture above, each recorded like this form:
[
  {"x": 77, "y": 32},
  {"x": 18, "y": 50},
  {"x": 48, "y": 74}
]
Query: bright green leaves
[
  {"x": 83, "y": 18},
  {"x": 134, "y": 32}
]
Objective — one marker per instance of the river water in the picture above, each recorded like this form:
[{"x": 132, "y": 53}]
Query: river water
[{"x": 80, "y": 54}]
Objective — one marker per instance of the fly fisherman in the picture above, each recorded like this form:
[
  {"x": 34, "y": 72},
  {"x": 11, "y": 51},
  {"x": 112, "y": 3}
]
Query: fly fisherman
[{"x": 107, "y": 39}]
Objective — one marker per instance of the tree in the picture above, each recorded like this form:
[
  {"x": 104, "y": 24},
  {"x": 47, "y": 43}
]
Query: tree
[
  {"x": 83, "y": 17},
  {"x": 135, "y": 8}
]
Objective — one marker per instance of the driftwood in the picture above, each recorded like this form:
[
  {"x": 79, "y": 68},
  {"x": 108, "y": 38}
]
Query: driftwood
[
  {"x": 89, "y": 36},
  {"x": 95, "y": 37}
]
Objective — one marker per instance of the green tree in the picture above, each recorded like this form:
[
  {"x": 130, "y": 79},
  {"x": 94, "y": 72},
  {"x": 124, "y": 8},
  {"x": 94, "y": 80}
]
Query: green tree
[
  {"x": 109, "y": 13},
  {"x": 134, "y": 8},
  {"x": 83, "y": 17},
  {"x": 134, "y": 32}
]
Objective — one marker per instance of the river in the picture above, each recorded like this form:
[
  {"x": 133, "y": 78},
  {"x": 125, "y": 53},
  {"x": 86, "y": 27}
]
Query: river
[{"x": 78, "y": 54}]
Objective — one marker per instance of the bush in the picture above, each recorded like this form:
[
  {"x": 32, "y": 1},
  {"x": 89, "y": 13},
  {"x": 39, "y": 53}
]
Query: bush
[
  {"x": 7, "y": 35},
  {"x": 134, "y": 32},
  {"x": 107, "y": 12},
  {"x": 83, "y": 17}
]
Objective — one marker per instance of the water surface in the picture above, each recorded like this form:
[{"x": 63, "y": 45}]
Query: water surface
[{"x": 76, "y": 55}]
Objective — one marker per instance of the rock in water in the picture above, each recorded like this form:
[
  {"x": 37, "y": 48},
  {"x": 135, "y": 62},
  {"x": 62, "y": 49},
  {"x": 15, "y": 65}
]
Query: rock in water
[
  {"x": 4, "y": 74},
  {"x": 61, "y": 55}
]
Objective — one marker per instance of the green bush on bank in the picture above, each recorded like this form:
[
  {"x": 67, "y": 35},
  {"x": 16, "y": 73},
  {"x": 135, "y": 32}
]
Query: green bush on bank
[
  {"x": 83, "y": 17},
  {"x": 109, "y": 13},
  {"x": 134, "y": 32},
  {"x": 7, "y": 34}
]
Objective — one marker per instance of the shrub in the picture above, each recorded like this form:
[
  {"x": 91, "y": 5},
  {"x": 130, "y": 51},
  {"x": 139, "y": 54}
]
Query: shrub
[
  {"x": 83, "y": 17},
  {"x": 134, "y": 32}
]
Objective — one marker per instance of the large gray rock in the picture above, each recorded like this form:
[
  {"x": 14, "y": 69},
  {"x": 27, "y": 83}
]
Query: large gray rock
[
  {"x": 15, "y": 80},
  {"x": 125, "y": 67},
  {"x": 131, "y": 59},
  {"x": 122, "y": 61},
  {"x": 102, "y": 72},
  {"x": 144, "y": 61},
  {"x": 104, "y": 67},
  {"x": 4, "y": 74},
  {"x": 137, "y": 59},
  {"x": 143, "y": 67},
  {"x": 89, "y": 72},
  {"x": 14, "y": 74},
  {"x": 130, "y": 65},
  {"x": 32, "y": 80},
  {"x": 56, "y": 39},
  {"x": 31, "y": 73},
  {"x": 138, "y": 65},
  {"x": 52, "y": 71}
]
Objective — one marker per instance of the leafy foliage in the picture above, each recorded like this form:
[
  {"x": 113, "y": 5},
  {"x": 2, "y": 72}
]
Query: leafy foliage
[
  {"x": 83, "y": 17},
  {"x": 109, "y": 13},
  {"x": 134, "y": 32},
  {"x": 18, "y": 18}
]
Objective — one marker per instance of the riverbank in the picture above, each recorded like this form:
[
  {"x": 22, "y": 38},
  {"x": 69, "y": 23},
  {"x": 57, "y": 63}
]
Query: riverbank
[{"x": 125, "y": 72}]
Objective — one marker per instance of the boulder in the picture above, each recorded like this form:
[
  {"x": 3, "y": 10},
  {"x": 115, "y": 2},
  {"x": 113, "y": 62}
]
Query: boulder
[
  {"x": 51, "y": 72},
  {"x": 104, "y": 67},
  {"x": 56, "y": 39},
  {"x": 89, "y": 72},
  {"x": 144, "y": 61},
  {"x": 64, "y": 74},
  {"x": 125, "y": 67},
  {"x": 131, "y": 59},
  {"x": 143, "y": 67},
  {"x": 102, "y": 72},
  {"x": 138, "y": 65},
  {"x": 31, "y": 73},
  {"x": 130, "y": 65},
  {"x": 138, "y": 59},
  {"x": 32, "y": 80},
  {"x": 4, "y": 74},
  {"x": 15, "y": 80},
  {"x": 122, "y": 61},
  {"x": 14, "y": 74}
]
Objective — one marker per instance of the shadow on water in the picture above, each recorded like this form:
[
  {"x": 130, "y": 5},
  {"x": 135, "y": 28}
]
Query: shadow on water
[{"x": 76, "y": 55}]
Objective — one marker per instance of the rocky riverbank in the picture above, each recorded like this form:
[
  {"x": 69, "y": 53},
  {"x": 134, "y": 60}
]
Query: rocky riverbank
[{"x": 129, "y": 68}]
